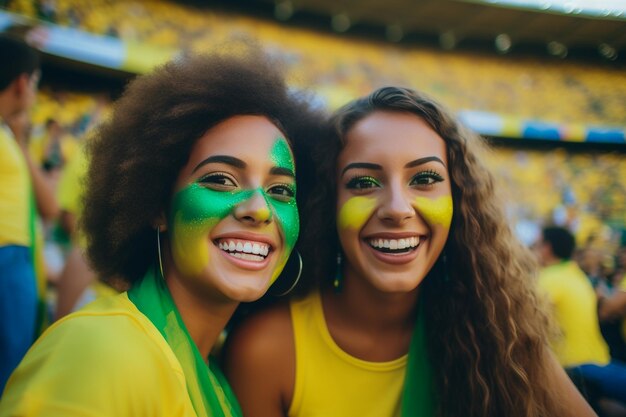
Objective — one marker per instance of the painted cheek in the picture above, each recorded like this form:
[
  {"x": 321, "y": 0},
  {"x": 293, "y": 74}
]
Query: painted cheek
[
  {"x": 289, "y": 223},
  {"x": 286, "y": 212},
  {"x": 195, "y": 211},
  {"x": 435, "y": 211},
  {"x": 355, "y": 212}
]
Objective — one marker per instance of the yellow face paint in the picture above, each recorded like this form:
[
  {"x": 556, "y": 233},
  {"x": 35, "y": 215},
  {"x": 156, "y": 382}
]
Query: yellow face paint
[
  {"x": 192, "y": 251},
  {"x": 435, "y": 211},
  {"x": 355, "y": 212},
  {"x": 263, "y": 214}
]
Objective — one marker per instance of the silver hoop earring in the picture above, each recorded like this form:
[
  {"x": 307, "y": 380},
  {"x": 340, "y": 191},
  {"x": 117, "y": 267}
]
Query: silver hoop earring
[
  {"x": 295, "y": 282},
  {"x": 158, "y": 230}
]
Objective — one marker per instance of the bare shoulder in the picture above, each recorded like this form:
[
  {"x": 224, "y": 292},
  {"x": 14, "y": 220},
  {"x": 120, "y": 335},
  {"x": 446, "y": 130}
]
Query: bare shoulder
[
  {"x": 574, "y": 405},
  {"x": 259, "y": 361}
]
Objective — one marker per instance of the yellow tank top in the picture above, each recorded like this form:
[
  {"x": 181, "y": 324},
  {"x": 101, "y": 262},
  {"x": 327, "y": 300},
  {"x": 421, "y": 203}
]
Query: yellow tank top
[{"x": 329, "y": 381}]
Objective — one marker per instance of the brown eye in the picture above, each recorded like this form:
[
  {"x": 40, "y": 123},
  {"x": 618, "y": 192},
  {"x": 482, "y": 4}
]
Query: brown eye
[
  {"x": 218, "y": 181},
  {"x": 426, "y": 179},
  {"x": 282, "y": 192},
  {"x": 362, "y": 183}
]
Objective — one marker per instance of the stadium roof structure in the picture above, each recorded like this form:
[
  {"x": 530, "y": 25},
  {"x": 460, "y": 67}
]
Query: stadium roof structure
[{"x": 559, "y": 28}]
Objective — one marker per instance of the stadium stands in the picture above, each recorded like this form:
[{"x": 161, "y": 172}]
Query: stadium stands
[{"x": 587, "y": 190}]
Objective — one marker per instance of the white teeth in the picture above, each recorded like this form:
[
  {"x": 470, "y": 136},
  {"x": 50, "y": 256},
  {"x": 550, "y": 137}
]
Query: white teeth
[
  {"x": 248, "y": 256},
  {"x": 395, "y": 244},
  {"x": 257, "y": 250}
]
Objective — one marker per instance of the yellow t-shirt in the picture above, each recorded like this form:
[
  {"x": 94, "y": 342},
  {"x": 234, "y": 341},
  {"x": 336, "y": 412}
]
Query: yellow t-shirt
[
  {"x": 14, "y": 192},
  {"x": 575, "y": 310},
  {"x": 104, "y": 360},
  {"x": 329, "y": 381}
]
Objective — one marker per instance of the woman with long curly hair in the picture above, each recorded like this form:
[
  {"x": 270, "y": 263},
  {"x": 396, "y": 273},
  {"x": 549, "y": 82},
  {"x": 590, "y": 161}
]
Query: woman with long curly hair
[
  {"x": 191, "y": 198},
  {"x": 419, "y": 300}
]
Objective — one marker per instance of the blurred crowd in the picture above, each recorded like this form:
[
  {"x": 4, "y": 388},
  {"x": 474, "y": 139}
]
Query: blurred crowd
[{"x": 341, "y": 68}]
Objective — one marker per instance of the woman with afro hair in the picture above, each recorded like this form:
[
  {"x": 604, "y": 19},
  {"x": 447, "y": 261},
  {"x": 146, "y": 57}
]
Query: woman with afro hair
[
  {"x": 419, "y": 301},
  {"x": 191, "y": 198}
]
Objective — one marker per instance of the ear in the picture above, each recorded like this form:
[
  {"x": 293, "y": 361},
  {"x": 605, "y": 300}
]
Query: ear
[{"x": 20, "y": 84}]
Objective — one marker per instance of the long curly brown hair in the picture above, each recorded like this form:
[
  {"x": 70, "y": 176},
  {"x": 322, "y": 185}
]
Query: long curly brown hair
[
  {"x": 135, "y": 157},
  {"x": 486, "y": 328}
]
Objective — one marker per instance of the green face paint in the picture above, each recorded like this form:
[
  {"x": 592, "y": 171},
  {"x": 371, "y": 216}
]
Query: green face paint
[
  {"x": 197, "y": 209},
  {"x": 286, "y": 211},
  {"x": 355, "y": 212},
  {"x": 435, "y": 211},
  {"x": 281, "y": 155}
]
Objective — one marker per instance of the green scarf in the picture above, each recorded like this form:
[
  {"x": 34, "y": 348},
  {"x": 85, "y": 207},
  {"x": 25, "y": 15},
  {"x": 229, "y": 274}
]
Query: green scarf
[
  {"x": 418, "y": 397},
  {"x": 208, "y": 390},
  {"x": 42, "y": 320}
]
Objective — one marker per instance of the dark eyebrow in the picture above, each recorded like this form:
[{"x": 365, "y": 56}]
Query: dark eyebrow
[
  {"x": 422, "y": 161},
  {"x": 282, "y": 171},
  {"x": 366, "y": 165},
  {"x": 224, "y": 159}
]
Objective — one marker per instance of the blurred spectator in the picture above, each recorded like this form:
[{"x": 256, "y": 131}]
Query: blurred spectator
[
  {"x": 23, "y": 191},
  {"x": 612, "y": 308},
  {"x": 580, "y": 346}
]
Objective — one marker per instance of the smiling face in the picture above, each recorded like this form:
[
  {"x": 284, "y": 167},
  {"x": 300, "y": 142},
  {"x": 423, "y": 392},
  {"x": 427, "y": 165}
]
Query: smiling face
[
  {"x": 233, "y": 219},
  {"x": 394, "y": 206}
]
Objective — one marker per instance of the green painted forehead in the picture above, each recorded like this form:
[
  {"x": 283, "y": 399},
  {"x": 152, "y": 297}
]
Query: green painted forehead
[{"x": 281, "y": 154}]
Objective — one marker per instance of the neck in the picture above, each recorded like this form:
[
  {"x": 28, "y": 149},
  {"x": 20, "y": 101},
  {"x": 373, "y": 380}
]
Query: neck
[
  {"x": 553, "y": 261},
  {"x": 360, "y": 302},
  {"x": 204, "y": 318},
  {"x": 368, "y": 323}
]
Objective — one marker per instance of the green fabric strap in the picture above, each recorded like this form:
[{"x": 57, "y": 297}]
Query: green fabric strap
[
  {"x": 208, "y": 390},
  {"x": 42, "y": 320},
  {"x": 418, "y": 396}
]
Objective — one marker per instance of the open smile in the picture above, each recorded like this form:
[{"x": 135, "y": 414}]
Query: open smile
[
  {"x": 395, "y": 246},
  {"x": 245, "y": 250},
  {"x": 394, "y": 249}
]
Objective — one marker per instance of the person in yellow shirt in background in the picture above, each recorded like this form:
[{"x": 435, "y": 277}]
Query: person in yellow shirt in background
[
  {"x": 24, "y": 190},
  {"x": 580, "y": 347}
]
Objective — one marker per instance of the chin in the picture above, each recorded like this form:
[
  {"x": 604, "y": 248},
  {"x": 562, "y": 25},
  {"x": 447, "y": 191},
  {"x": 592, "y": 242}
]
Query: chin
[
  {"x": 393, "y": 286},
  {"x": 247, "y": 293}
]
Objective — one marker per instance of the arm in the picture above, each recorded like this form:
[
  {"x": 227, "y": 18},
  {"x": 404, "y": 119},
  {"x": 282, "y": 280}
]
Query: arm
[
  {"x": 574, "y": 405},
  {"x": 43, "y": 187},
  {"x": 613, "y": 307},
  {"x": 260, "y": 363}
]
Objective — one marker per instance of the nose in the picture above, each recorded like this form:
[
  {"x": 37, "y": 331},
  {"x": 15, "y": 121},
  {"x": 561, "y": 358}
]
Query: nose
[
  {"x": 255, "y": 210},
  {"x": 396, "y": 208}
]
